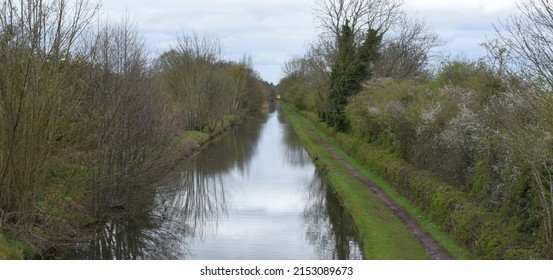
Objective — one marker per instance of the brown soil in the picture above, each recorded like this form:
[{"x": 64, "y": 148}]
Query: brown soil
[{"x": 433, "y": 249}]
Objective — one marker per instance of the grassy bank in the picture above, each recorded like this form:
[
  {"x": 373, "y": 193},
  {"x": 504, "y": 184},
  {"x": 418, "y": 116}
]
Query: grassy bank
[
  {"x": 13, "y": 250},
  {"x": 189, "y": 142},
  {"x": 361, "y": 203},
  {"x": 67, "y": 201},
  {"x": 383, "y": 236}
]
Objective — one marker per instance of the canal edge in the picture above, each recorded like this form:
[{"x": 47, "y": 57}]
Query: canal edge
[{"x": 432, "y": 247}]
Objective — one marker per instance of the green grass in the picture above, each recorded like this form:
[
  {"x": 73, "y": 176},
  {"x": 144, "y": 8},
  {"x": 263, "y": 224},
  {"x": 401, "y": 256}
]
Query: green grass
[
  {"x": 201, "y": 137},
  {"x": 192, "y": 135},
  {"x": 424, "y": 221},
  {"x": 383, "y": 236},
  {"x": 13, "y": 250},
  {"x": 302, "y": 125},
  {"x": 66, "y": 187}
]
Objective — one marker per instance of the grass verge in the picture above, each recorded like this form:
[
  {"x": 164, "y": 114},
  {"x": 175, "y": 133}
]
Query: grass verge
[
  {"x": 303, "y": 126},
  {"x": 382, "y": 235},
  {"x": 424, "y": 220}
]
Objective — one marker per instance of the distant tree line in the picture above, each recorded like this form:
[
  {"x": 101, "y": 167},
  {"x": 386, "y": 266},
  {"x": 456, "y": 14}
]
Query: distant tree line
[
  {"x": 87, "y": 115},
  {"x": 483, "y": 126}
]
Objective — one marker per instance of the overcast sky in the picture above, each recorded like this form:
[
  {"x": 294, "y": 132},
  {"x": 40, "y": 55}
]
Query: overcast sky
[{"x": 273, "y": 30}]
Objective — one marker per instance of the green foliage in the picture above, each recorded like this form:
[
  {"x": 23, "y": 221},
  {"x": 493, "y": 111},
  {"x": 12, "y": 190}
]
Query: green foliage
[
  {"x": 383, "y": 235},
  {"x": 483, "y": 131},
  {"x": 380, "y": 115},
  {"x": 298, "y": 89},
  {"x": 351, "y": 68},
  {"x": 433, "y": 129},
  {"x": 450, "y": 128},
  {"x": 301, "y": 96},
  {"x": 472, "y": 75},
  {"x": 377, "y": 161},
  {"x": 446, "y": 204}
]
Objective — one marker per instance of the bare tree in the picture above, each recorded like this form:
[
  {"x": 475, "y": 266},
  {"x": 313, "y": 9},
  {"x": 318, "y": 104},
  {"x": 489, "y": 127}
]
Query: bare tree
[
  {"x": 126, "y": 125},
  {"x": 527, "y": 37},
  {"x": 524, "y": 51},
  {"x": 361, "y": 15},
  {"x": 196, "y": 80},
  {"x": 407, "y": 54},
  {"x": 314, "y": 71},
  {"x": 37, "y": 82},
  {"x": 238, "y": 76}
]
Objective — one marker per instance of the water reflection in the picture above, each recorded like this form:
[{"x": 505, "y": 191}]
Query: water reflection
[
  {"x": 198, "y": 201},
  {"x": 189, "y": 209},
  {"x": 128, "y": 238},
  {"x": 254, "y": 193},
  {"x": 327, "y": 224}
]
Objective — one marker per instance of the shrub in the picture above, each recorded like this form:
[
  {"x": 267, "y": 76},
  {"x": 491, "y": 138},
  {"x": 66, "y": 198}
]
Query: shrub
[{"x": 439, "y": 146}]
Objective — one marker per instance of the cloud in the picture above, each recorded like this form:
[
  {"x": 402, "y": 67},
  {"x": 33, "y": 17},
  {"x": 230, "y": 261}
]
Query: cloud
[
  {"x": 455, "y": 6},
  {"x": 269, "y": 31},
  {"x": 462, "y": 24}
]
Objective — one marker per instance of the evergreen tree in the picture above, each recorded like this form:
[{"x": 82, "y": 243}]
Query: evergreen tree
[{"x": 351, "y": 68}]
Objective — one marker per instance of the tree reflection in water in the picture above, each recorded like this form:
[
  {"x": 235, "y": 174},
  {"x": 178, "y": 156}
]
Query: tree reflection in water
[
  {"x": 187, "y": 208},
  {"x": 295, "y": 154},
  {"x": 184, "y": 211},
  {"x": 328, "y": 226}
]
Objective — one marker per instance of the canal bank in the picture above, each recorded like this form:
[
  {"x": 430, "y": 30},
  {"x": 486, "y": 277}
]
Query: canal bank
[
  {"x": 390, "y": 226},
  {"x": 81, "y": 223},
  {"x": 252, "y": 193}
]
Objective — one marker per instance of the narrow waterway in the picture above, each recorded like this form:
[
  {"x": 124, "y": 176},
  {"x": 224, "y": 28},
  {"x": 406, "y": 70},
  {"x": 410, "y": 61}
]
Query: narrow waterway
[{"x": 254, "y": 193}]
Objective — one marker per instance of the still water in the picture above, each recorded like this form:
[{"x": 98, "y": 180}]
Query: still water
[{"x": 254, "y": 193}]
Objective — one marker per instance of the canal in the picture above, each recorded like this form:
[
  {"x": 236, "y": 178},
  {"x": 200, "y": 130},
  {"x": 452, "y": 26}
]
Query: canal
[{"x": 253, "y": 193}]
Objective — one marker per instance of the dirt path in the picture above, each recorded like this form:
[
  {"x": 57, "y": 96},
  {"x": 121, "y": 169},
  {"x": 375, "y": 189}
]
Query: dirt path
[{"x": 433, "y": 249}]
